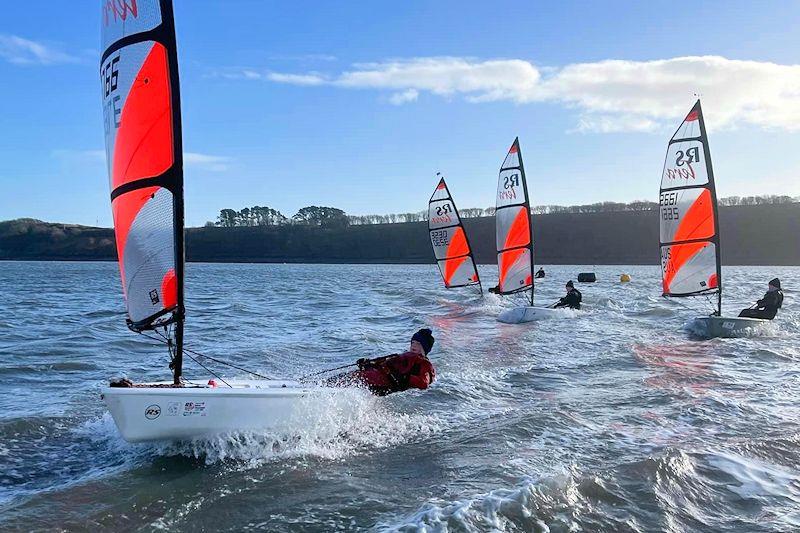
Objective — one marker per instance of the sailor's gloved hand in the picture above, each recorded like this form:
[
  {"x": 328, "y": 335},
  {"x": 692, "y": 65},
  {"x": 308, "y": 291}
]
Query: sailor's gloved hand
[{"x": 363, "y": 362}]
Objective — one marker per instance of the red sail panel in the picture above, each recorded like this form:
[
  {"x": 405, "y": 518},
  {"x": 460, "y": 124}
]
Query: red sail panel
[
  {"x": 688, "y": 212},
  {"x": 449, "y": 240},
  {"x": 513, "y": 225},
  {"x": 139, "y": 82},
  {"x": 144, "y": 144}
]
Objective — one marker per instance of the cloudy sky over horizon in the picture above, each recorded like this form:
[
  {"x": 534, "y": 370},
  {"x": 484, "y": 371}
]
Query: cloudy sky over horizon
[{"x": 358, "y": 106}]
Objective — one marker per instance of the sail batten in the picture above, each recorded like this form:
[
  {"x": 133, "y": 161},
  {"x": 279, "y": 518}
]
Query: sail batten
[
  {"x": 688, "y": 219},
  {"x": 141, "y": 117},
  {"x": 449, "y": 240},
  {"x": 514, "y": 234}
]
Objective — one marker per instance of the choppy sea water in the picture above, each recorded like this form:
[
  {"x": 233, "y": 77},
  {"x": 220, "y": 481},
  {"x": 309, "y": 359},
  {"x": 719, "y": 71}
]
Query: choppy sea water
[{"x": 618, "y": 419}]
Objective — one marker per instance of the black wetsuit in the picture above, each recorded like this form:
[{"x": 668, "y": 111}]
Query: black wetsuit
[
  {"x": 767, "y": 307},
  {"x": 571, "y": 300},
  {"x": 540, "y": 273}
]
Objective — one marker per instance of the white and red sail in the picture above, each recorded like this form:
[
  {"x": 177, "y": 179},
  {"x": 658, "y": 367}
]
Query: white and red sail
[
  {"x": 449, "y": 240},
  {"x": 689, "y": 227},
  {"x": 513, "y": 226},
  {"x": 141, "y": 112}
]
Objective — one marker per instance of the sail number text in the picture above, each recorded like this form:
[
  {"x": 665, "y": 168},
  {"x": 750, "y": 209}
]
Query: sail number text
[
  {"x": 109, "y": 76},
  {"x": 668, "y": 202},
  {"x": 440, "y": 238}
]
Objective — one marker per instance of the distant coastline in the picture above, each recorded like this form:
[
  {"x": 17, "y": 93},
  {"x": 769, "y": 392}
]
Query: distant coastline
[{"x": 751, "y": 235}]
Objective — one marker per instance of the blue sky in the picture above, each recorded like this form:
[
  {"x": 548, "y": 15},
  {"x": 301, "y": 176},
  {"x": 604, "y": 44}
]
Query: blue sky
[{"x": 357, "y": 105}]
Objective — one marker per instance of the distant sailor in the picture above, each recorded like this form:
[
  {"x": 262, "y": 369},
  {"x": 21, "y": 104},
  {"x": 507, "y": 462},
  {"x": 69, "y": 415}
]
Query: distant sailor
[
  {"x": 768, "y": 306},
  {"x": 572, "y": 299},
  {"x": 397, "y": 372},
  {"x": 540, "y": 273},
  {"x": 495, "y": 289}
]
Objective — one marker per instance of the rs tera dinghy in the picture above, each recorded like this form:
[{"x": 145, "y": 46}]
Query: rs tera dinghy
[
  {"x": 689, "y": 226},
  {"x": 141, "y": 108},
  {"x": 514, "y": 236},
  {"x": 449, "y": 240}
]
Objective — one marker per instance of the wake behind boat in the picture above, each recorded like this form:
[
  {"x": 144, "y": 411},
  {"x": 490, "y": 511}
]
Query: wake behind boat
[
  {"x": 689, "y": 225},
  {"x": 142, "y": 120}
]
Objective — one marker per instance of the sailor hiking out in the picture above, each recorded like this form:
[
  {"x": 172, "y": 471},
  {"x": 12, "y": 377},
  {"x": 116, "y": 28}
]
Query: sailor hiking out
[
  {"x": 540, "y": 273},
  {"x": 572, "y": 299},
  {"x": 394, "y": 373},
  {"x": 767, "y": 307}
]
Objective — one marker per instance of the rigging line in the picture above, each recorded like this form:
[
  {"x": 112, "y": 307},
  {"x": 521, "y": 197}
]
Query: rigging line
[
  {"x": 169, "y": 344},
  {"x": 677, "y": 301},
  {"x": 198, "y": 354},
  {"x": 210, "y": 371},
  {"x": 164, "y": 340}
]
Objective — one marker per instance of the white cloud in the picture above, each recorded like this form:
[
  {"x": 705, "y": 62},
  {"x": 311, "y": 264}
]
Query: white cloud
[
  {"x": 21, "y": 51},
  {"x": 611, "y": 95},
  {"x": 409, "y": 95},
  {"x": 213, "y": 163}
]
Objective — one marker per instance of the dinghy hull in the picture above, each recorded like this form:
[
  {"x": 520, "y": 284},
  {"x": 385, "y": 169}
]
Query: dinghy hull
[
  {"x": 163, "y": 413},
  {"x": 720, "y": 326},
  {"x": 519, "y": 315}
]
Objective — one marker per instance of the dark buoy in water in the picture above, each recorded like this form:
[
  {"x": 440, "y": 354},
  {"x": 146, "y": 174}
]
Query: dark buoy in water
[{"x": 587, "y": 277}]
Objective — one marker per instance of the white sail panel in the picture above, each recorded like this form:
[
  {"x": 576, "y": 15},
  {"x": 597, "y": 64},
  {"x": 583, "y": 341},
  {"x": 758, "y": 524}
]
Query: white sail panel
[
  {"x": 458, "y": 272},
  {"x": 514, "y": 268},
  {"x": 685, "y": 165},
  {"x": 510, "y": 190},
  {"x": 442, "y": 213},
  {"x": 689, "y": 268},
  {"x": 121, "y": 18}
]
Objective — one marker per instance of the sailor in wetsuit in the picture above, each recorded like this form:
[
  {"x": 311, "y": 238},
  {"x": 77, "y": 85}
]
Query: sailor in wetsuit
[
  {"x": 572, "y": 299},
  {"x": 540, "y": 273},
  {"x": 397, "y": 372},
  {"x": 767, "y": 307}
]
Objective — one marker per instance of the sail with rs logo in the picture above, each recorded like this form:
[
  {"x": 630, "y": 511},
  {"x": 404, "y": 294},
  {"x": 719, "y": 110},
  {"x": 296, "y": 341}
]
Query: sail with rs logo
[{"x": 449, "y": 240}]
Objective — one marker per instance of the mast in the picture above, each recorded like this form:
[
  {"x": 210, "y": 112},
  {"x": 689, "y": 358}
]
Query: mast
[
  {"x": 530, "y": 219},
  {"x": 177, "y": 193},
  {"x": 712, "y": 185}
]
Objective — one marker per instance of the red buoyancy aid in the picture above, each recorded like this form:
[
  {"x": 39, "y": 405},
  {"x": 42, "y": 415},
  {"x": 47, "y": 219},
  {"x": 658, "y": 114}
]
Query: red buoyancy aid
[{"x": 397, "y": 373}]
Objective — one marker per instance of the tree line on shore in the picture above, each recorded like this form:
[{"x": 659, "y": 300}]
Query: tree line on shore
[{"x": 333, "y": 217}]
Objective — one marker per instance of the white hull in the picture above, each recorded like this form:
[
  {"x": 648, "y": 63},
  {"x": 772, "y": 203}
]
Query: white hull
[
  {"x": 519, "y": 315},
  {"x": 720, "y": 326},
  {"x": 152, "y": 414}
]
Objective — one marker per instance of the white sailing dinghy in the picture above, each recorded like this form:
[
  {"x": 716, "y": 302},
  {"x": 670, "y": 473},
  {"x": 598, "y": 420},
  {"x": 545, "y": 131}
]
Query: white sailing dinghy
[
  {"x": 689, "y": 225},
  {"x": 449, "y": 240},
  {"x": 141, "y": 107},
  {"x": 514, "y": 236}
]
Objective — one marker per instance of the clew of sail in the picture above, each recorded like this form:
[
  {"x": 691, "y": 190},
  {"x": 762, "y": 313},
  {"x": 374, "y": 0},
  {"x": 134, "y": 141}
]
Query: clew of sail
[
  {"x": 513, "y": 226},
  {"x": 141, "y": 116},
  {"x": 449, "y": 240},
  {"x": 689, "y": 231}
]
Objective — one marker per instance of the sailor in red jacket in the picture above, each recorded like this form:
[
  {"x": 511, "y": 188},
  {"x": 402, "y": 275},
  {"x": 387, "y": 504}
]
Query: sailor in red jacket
[{"x": 397, "y": 372}]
